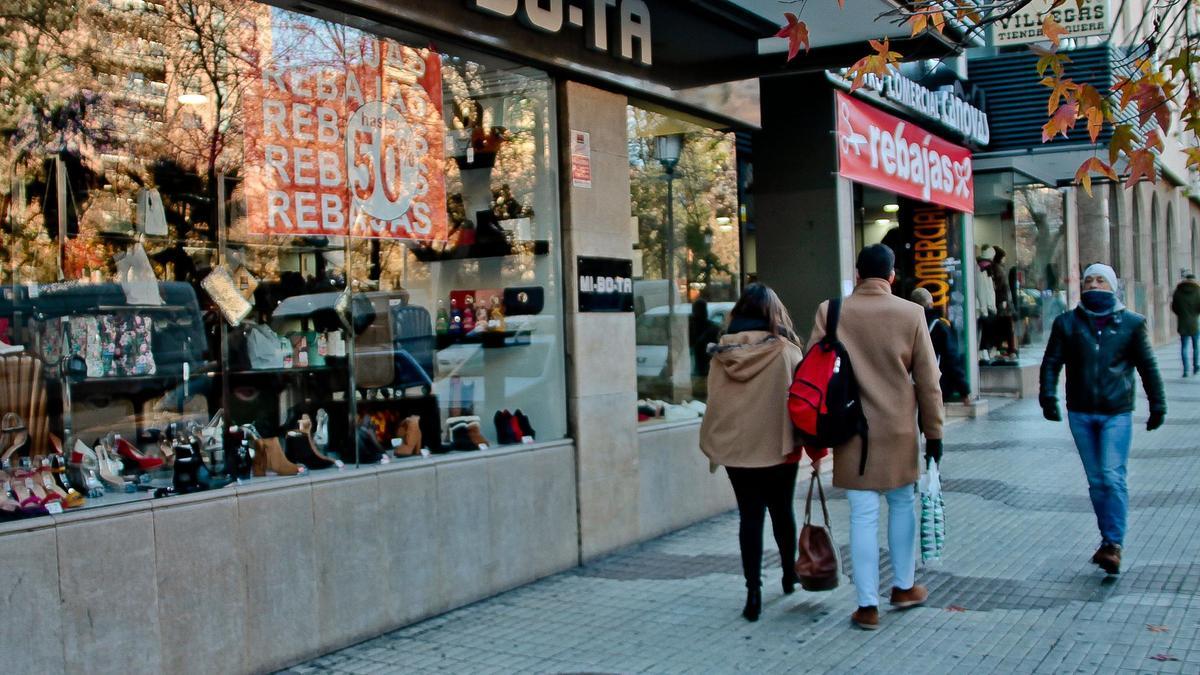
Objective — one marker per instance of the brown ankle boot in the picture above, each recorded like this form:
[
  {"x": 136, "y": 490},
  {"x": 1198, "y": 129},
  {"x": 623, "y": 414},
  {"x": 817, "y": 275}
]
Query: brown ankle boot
[
  {"x": 866, "y": 618},
  {"x": 903, "y": 599}
]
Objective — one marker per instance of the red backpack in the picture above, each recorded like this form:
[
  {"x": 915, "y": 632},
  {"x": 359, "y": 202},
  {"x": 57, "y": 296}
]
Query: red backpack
[{"x": 823, "y": 400}]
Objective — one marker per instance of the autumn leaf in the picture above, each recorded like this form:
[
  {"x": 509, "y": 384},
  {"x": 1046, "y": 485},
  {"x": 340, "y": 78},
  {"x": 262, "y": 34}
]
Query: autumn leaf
[
  {"x": 1052, "y": 30},
  {"x": 1156, "y": 629},
  {"x": 876, "y": 64},
  {"x": 1121, "y": 141},
  {"x": 1083, "y": 175},
  {"x": 1163, "y": 657},
  {"x": 1193, "y": 157},
  {"x": 1060, "y": 88},
  {"x": 1049, "y": 59},
  {"x": 1062, "y": 121},
  {"x": 918, "y": 22},
  {"x": 1151, "y": 101},
  {"x": 796, "y": 33},
  {"x": 1141, "y": 165},
  {"x": 1095, "y": 123},
  {"x": 939, "y": 21}
]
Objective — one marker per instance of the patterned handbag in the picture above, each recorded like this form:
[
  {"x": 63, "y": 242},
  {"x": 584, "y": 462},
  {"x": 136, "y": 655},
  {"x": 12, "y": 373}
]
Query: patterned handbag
[{"x": 933, "y": 515}]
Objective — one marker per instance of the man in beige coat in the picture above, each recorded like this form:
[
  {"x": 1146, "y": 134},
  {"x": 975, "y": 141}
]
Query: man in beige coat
[{"x": 893, "y": 359}]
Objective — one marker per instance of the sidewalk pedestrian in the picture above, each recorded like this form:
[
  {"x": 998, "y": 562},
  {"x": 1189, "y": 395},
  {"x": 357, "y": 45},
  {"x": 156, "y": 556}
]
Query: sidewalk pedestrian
[
  {"x": 1101, "y": 343},
  {"x": 945, "y": 348},
  {"x": 890, "y": 350},
  {"x": 1185, "y": 302},
  {"x": 747, "y": 430}
]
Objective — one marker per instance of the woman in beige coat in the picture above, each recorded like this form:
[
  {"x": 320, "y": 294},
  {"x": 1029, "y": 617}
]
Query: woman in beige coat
[{"x": 747, "y": 429}]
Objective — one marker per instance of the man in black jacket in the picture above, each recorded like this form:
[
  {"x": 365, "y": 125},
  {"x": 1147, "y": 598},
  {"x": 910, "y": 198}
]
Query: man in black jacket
[{"x": 1101, "y": 343}]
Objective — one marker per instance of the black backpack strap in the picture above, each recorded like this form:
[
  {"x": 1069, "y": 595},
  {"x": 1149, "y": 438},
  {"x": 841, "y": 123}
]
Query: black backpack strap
[{"x": 831, "y": 319}]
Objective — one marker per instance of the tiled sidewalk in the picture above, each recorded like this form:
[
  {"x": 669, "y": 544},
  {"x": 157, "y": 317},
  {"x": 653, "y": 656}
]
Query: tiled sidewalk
[{"x": 1016, "y": 593}]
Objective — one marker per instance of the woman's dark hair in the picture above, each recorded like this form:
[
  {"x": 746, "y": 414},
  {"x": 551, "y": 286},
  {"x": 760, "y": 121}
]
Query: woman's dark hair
[{"x": 759, "y": 302}]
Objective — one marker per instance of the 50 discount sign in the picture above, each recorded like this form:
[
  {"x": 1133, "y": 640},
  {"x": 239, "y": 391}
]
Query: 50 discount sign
[{"x": 351, "y": 145}]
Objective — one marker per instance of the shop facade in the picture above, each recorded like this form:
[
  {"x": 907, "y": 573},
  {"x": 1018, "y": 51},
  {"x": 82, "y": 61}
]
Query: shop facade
[
  {"x": 321, "y": 322},
  {"x": 888, "y": 163}
]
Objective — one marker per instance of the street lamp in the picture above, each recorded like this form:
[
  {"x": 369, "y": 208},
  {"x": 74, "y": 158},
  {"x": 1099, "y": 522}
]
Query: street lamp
[{"x": 667, "y": 149}]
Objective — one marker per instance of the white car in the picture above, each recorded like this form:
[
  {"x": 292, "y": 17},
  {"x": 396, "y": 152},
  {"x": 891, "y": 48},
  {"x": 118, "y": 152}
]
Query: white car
[{"x": 652, "y": 333}]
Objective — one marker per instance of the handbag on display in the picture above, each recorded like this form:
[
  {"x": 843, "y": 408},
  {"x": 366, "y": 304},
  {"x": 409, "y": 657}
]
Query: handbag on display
[
  {"x": 373, "y": 360},
  {"x": 94, "y": 416},
  {"x": 137, "y": 277},
  {"x": 816, "y": 562},
  {"x": 521, "y": 300},
  {"x": 223, "y": 291},
  {"x": 414, "y": 345},
  {"x": 265, "y": 349}
]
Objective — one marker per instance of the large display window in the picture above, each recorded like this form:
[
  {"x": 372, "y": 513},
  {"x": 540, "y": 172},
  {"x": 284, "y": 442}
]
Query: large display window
[
  {"x": 684, "y": 180},
  {"x": 244, "y": 243},
  {"x": 1021, "y": 252}
]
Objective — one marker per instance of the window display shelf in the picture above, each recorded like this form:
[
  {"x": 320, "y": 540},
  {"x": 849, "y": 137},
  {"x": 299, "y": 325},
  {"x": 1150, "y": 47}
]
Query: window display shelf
[
  {"x": 489, "y": 339},
  {"x": 496, "y": 250}
]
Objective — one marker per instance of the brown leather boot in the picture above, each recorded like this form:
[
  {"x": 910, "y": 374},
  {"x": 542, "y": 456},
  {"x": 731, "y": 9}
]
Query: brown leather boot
[
  {"x": 1108, "y": 557},
  {"x": 866, "y": 618},
  {"x": 917, "y": 595}
]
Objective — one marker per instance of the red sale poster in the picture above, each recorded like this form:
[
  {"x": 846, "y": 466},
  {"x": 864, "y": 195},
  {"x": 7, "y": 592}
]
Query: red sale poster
[{"x": 350, "y": 143}]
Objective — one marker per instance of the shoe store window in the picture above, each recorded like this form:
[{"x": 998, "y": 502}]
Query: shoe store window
[
  {"x": 242, "y": 243},
  {"x": 684, "y": 180}
]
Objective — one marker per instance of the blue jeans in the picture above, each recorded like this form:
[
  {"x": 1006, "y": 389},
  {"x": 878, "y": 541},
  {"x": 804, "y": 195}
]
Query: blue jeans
[
  {"x": 1183, "y": 352},
  {"x": 1103, "y": 444},
  {"x": 864, "y": 540}
]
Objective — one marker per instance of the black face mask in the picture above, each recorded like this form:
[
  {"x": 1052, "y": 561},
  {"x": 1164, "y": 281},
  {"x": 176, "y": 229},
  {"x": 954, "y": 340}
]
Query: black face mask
[{"x": 1098, "y": 302}]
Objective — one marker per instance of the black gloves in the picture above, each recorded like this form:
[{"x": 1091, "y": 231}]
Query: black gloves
[
  {"x": 1155, "y": 421},
  {"x": 933, "y": 450},
  {"x": 1051, "y": 412}
]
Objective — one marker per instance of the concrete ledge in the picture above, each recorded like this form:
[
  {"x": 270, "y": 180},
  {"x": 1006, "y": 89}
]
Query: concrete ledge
[
  {"x": 1013, "y": 381},
  {"x": 676, "y": 488},
  {"x": 255, "y": 577}
]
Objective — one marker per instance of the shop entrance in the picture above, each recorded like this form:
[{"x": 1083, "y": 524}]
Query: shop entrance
[{"x": 927, "y": 241}]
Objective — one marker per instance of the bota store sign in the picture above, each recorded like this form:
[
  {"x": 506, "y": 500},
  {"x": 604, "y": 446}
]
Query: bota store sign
[
  {"x": 882, "y": 150},
  {"x": 630, "y": 28}
]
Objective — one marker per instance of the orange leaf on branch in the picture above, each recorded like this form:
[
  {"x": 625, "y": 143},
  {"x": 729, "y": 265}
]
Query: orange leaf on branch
[
  {"x": 1062, "y": 121},
  {"x": 1093, "y": 165},
  {"x": 1060, "y": 88},
  {"x": 1151, "y": 101},
  {"x": 1141, "y": 166},
  {"x": 796, "y": 32},
  {"x": 918, "y": 21},
  {"x": 876, "y": 64},
  {"x": 1053, "y": 30}
]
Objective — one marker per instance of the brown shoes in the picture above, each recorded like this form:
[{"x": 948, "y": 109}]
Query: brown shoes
[
  {"x": 1108, "y": 557},
  {"x": 866, "y": 618},
  {"x": 917, "y": 595}
]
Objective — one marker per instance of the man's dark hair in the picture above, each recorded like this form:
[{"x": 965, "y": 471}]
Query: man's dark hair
[
  {"x": 876, "y": 261},
  {"x": 1190, "y": 276}
]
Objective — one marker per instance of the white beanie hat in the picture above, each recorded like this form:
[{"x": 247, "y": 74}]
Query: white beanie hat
[
  {"x": 1102, "y": 270},
  {"x": 988, "y": 252}
]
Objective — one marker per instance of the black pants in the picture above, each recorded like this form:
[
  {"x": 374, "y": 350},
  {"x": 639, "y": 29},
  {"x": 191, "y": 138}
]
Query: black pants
[{"x": 760, "y": 490}]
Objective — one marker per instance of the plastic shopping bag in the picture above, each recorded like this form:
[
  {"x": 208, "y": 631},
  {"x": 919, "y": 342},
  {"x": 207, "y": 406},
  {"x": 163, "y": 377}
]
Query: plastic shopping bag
[{"x": 933, "y": 515}]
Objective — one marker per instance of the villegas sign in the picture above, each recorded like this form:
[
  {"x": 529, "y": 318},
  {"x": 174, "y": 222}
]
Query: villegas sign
[
  {"x": 632, "y": 24},
  {"x": 347, "y": 143},
  {"x": 879, "y": 149},
  {"x": 1080, "y": 19}
]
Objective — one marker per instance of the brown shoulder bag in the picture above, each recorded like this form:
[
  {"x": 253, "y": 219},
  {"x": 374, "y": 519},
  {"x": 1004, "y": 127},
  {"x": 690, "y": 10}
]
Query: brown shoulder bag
[{"x": 817, "y": 562}]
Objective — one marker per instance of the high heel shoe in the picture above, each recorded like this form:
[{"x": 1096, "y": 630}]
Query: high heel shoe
[
  {"x": 789, "y": 581},
  {"x": 753, "y": 607},
  {"x": 298, "y": 449},
  {"x": 268, "y": 456},
  {"x": 188, "y": 464},
  {"x": 306, "y": 428},
  {"x": 126, "y": 451},
  {"x": 109, "y": 469},
  {"x": 18, "y": 436},
  {"x": 69, "y": 498},
  {"x": 29, "y": 504}
]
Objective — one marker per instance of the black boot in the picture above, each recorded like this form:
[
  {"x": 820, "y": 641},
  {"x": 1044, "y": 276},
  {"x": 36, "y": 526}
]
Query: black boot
[
  {"x": 753, "y": 604},
  {"x": 789, "y": 581}
]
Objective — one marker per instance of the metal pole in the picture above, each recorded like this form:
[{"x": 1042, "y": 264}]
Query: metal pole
[{"x": 671, "y": 278}]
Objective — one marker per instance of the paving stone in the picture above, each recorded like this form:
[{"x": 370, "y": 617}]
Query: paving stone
[{"x": 1015, "y": 593}]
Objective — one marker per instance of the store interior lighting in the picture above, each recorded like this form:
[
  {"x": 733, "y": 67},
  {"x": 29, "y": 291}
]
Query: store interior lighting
[
  {"x": 891, "y": 208},
  {"x": 883, "y": 221},
  {"x": 725, "y": 223},
  {"x": 193, "y": 99}
]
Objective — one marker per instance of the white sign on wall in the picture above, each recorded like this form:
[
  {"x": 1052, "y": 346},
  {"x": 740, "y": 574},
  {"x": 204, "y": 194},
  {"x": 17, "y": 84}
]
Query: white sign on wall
[{"x": 1082, "y": 19}]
